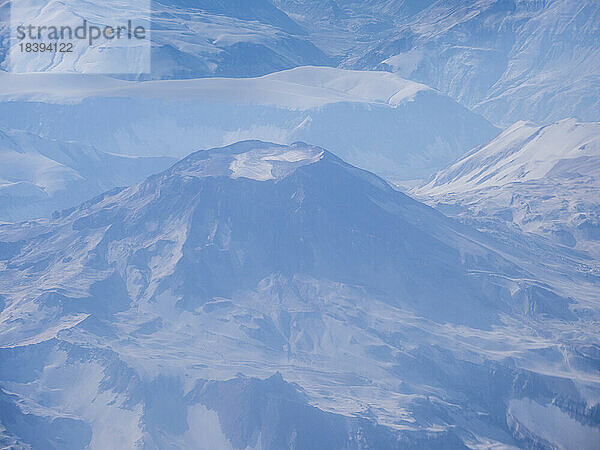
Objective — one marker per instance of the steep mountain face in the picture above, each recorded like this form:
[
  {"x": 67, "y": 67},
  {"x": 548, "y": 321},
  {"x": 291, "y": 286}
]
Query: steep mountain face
[
  {"x": 411, "y": 130},
  {"x": 158, "y": 314},
  {"x": 544, "y": 179},
  {"x": 227, "y": 39},
  {"x": 261, "y": 404},
  {"x": 39, "y": 176}
]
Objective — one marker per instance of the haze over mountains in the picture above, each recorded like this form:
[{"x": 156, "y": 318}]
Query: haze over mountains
[
  {"x": 218, "y": 254},
  {"x": 509, "y": 60},
  {"x": 39, "y": 176},
  {"x": 402, "y": 130}
]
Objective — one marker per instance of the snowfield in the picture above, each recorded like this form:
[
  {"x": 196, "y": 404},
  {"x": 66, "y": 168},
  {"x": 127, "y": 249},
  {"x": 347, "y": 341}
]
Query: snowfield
[
  {"x": 302, "y": 88},
  {"x": 399, "y": 129}
]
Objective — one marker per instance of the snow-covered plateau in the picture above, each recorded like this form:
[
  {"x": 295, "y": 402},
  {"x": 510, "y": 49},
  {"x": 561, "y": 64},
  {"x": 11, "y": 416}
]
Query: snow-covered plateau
[{"x": 379, "y": 121}]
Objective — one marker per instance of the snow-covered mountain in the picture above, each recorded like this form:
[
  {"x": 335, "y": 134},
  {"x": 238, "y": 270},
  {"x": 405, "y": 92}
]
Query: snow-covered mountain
[
  {"x": 39, "y": 176},
  {"x": 189, "y": 39},
  {"x": 507, "y": 59},
  {"x": 269, "y": 296},
  {"x": 276, "y": 296},
  {"x": 227, "y": 38},
  {"x": 544, "y": 179},
  {"x": 4, "y": 31},
  {"x": 376, "y": 120}
]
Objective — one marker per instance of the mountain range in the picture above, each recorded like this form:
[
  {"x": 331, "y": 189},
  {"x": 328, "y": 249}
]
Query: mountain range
[
  {"x": 324, "y": 224},
  {"x": 412, "y": 131},
  {"x": 509, "y": 60}
]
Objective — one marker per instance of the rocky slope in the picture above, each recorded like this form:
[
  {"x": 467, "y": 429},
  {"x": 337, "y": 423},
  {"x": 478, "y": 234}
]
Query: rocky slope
[{"x": 158, "y": 315}]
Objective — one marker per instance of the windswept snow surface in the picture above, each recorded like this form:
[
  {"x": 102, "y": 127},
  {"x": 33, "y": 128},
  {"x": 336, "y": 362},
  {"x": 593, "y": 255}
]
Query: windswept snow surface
[
  {"x": 376, "y": 120},
  {"x": 544, "y": 179},
  {"x": 302, "y": 88},
  {"x": 270, "y": 296}
]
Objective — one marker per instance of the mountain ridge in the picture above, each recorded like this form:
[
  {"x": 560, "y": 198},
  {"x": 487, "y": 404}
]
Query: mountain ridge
[{"x": 543, "y": 178}]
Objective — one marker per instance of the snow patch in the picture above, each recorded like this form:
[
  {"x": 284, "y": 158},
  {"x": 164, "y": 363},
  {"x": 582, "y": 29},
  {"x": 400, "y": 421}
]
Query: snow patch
[
  {"x": 553, "y": 425},
  {"x": 259, "y": 164}
]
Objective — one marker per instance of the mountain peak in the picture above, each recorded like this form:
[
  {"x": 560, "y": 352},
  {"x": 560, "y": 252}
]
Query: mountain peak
[{"x": 255, "y": 160}]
